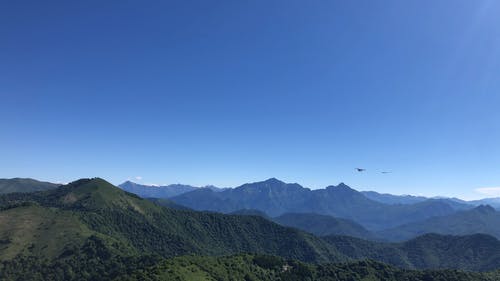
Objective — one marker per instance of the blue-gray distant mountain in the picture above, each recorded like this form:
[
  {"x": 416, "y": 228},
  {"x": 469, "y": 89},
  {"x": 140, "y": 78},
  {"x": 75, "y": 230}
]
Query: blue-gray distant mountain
[
  {"x": 154, "y": 191},
  {"x": 483, "y": 219},
  {"x": 24, "y": 185},
  {"x": 275, "y": 198},
  {"x": 455, "y": 203},
  {"x": 393, "y": 199}
]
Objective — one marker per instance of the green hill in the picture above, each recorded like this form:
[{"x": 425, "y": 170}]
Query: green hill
[
  {"x": 140, "y": 226},
  {"x": 24, "y": 185}
]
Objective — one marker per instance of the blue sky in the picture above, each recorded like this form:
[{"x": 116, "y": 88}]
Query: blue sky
[{"x": 227, "y": 92}]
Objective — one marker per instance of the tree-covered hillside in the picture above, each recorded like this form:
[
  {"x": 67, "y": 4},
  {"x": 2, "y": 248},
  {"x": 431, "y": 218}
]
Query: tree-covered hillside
[
  {"x": 477, "y": 252},
  {"x": 92, "y": 230},
  {"x": 140, "y": 226},
  {"x": 269, "y": 268}
]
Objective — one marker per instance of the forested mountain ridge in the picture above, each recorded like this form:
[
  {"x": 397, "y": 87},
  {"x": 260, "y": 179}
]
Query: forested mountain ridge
[
  {"x": 145, "y": 227},
  {"x": 275, "y": 198},
  {"x": 98, "y": 230},
  {"x": 24, "y": 185}
]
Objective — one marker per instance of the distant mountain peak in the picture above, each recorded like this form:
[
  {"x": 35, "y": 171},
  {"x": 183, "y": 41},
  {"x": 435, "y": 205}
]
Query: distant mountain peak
[
  {"x": 273, "y": 181},
  {"x": 340, "y": 187}
]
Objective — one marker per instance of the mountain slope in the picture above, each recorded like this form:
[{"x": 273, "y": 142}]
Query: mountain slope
[
  {"x": 323, "y": 225},
  {"x": 136, "y": 225},
  {"x": 477, "y": 252},
  {"x": 167, "y": 203},
  {"x": 251, "y": 212},
  {"x": 275, "y": 198},
  {"x": 34, "y": 230},
  {"x": 94, "y": 228},
  {"x": 482, "y": 219},
  {"x": 24, "y": 185},
  {"x": 271, "y": 196}
]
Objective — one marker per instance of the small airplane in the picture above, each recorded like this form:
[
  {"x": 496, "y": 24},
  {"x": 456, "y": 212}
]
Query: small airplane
[
  {"x": 360, "y": 169},
  {"x": 386, "y": 172}
]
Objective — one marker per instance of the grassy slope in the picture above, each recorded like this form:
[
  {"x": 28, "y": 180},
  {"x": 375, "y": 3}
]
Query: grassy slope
[{"x": 34, "y": 230}]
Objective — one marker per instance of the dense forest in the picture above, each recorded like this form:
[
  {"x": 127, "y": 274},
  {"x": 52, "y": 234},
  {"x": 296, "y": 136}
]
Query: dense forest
[{"x": 261, "y": 267}]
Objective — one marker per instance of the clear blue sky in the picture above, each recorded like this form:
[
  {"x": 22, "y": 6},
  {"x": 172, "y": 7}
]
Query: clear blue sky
[{"x": 227, "y": 92}]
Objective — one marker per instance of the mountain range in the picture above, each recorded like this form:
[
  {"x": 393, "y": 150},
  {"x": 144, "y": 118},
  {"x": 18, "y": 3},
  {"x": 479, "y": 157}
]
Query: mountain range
[
  {"x": 158, "y": 191},
  {"x": 275, "y": 198},
  {"x": 92, "y": 230},
  {"x": 335, "y": 210},
  {"x": 167, "y": 191},
  {"x": 410, "y": 199}
]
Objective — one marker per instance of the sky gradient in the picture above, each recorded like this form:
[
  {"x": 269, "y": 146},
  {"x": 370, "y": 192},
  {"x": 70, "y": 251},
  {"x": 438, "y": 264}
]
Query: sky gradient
[{"x": 228, "y": 92}]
